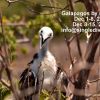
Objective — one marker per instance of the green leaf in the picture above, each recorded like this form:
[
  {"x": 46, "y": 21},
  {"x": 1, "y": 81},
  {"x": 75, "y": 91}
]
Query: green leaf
[{"x": 4, "y": 92}]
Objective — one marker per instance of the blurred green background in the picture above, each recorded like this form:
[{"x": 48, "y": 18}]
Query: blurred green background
[
  {"x": 21, "y": 11},
  {"x": 23, "y": 19}
]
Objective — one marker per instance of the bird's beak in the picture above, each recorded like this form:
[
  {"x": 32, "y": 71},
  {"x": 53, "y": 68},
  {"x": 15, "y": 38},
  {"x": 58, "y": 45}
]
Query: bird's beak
[{"x": 44, "y": 39}]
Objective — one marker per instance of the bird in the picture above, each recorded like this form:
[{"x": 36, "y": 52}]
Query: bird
[{"x": 43, "y": 70}]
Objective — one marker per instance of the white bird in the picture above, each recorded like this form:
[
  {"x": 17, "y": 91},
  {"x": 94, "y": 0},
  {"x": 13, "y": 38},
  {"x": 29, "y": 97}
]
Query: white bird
[{"x": 42, "y": 70}]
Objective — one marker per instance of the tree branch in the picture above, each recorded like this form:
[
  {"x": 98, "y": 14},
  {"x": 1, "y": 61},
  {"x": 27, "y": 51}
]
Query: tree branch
[
  {"x": 6, "y": 64},
  {"x": 94, "y": 80},
  {"x": 5, "y": 84}
]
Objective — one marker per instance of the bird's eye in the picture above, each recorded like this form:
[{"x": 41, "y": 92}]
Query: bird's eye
[
  {"x": 41, "y": 31},
  {"x": 50, "y": 35}
]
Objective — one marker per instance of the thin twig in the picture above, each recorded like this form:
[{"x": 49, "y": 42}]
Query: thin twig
[
  {"x": 6, "y": 63},
  {"x": 94, "y": 80},
  {"x": 11, "y": 1},
  {"x": 15, "y": 24},
  {"x": 93, "y": 94},
  {"x": 4, "y": 40},
  {"x": 78, "y": 45},
  {"x": 45, "y": 6},
  {"x": 69, "y": 50},
  {"x": 34, "y": 11},
  {"x": 76, "y": 34},
  {"x": 5, "y": 83}
]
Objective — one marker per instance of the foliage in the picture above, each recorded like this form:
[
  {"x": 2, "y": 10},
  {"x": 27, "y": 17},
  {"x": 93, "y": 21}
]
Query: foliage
[
  {"x": 44, "y": 20},
  {"x": 45, "y": 95},
  {"x": 24, "y": 50},
  {"x": 4, "y": 92},
  {"x": 80, "y": 7},
  {"x": 34, "y": 20},
  {"x": 10, "y": 41}
]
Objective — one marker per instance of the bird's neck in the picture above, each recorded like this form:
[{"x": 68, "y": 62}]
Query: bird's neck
[{"x": 44, "y": 50}]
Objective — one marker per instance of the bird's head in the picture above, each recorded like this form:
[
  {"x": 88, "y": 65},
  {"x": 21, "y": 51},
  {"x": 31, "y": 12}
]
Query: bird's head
[{"x": 46, "y": 34}]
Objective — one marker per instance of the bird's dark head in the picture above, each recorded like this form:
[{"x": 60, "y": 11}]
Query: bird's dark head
[{"x": 46, "y": 34}]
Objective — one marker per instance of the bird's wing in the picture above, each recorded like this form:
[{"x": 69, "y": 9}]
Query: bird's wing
[
  {"x": 28, "y": 82},
  {"x": 61, "y": 77},
  {"x": 34, "y": 57}
]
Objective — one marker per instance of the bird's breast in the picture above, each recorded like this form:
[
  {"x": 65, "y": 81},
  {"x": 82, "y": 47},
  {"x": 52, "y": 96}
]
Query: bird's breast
[{"x": 48, "y": 71}]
